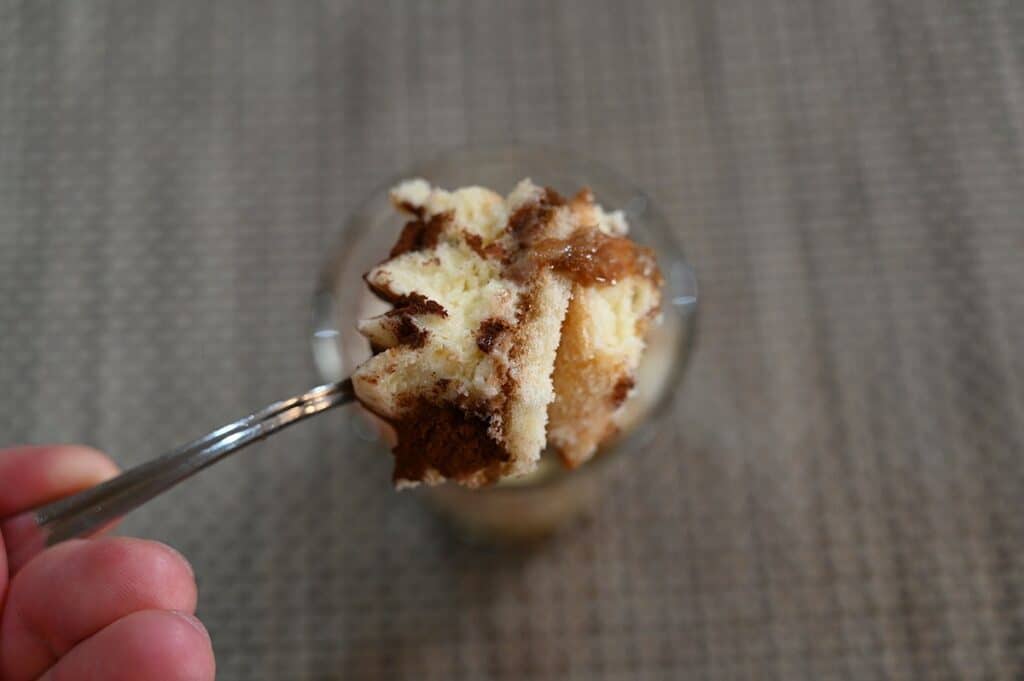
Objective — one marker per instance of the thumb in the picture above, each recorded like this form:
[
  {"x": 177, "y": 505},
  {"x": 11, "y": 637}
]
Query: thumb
[{"x": 32, "y": 476}]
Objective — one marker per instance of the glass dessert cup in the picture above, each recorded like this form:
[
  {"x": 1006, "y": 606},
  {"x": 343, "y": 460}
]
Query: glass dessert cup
[{"x": 536, "y": 505}]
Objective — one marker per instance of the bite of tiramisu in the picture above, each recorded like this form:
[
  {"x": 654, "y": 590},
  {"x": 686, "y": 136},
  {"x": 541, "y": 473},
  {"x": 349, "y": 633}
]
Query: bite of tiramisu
[{"x": 517, "y": 323}]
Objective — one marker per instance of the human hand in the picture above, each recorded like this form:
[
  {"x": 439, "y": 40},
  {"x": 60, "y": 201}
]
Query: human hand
[{"x": 103, "y": 609}]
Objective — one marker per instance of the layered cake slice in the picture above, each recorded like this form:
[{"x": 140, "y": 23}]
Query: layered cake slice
[
  {"x": 505, "y": 312},
  {"x": 615, "y": 299}
]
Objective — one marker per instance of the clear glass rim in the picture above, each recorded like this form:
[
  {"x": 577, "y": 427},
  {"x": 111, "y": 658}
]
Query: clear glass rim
[{"x": 326, "y": 327}]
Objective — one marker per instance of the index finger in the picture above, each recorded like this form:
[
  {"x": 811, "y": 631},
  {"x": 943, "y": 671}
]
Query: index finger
[{"x": 32, "y": 476}]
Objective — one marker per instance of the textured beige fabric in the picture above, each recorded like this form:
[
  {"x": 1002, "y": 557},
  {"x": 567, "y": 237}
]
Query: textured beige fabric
[{"x": 842, "y": 495}]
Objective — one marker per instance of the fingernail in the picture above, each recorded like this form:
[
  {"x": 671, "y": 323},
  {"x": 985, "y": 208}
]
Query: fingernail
[{"x": 78, "y": 467}]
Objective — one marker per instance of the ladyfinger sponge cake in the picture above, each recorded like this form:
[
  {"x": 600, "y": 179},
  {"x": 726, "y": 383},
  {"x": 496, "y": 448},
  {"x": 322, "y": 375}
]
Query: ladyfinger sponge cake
[{"x": 517, "y": 323}]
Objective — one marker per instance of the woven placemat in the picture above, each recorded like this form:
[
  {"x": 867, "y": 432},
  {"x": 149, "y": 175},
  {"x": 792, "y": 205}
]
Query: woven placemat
[{"x": 842, "y": 495}]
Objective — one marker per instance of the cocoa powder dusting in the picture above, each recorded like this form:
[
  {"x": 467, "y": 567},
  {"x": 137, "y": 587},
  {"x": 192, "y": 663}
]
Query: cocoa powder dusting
[
  {"x": 447, "y": 439},
  {"x": 487, "y": 334}
]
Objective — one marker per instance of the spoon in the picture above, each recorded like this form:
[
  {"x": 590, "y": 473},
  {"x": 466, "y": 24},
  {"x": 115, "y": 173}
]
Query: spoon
[{"x": 90, "y": 510}]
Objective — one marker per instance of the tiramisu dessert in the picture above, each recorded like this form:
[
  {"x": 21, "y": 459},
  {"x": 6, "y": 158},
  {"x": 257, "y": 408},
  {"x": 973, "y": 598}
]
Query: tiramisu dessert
[{"x": 517, "y": 323}]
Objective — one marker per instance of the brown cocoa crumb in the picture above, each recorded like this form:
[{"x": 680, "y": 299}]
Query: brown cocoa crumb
[
  {"x": 476, "y": 242},
  {"x": 582, "y": 197},
  {"x": 411, "y": 303},
  {"x": 553, "y": 198},
  {"x": 495, "y": 251},
  {"x": 420, "y": 234},
  {"x": 524, "y": 311},
  {"x": 487, "y": 334},
  {"x": 405, "y": 307},
  {"x": 526, "y": 220},
  {"x": 530, "y": 218},
  {"x": 417, "y": 303},
  {"x": 525, "y": 307},
  {"x": 409, "y": 239},
  {"x": 381, "y": 290},
  {"x": 408, "y": 334},
  {"x": 411, "y": 209},
  {"x": 621, "y": 390},
  {"x": 451, "y": 441},
  {"x": 492, "y": 251}
]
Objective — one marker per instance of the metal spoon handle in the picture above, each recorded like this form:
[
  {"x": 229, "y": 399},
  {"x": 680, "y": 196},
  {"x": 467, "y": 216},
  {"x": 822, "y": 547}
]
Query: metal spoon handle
[{"x": 86, "y": 512}]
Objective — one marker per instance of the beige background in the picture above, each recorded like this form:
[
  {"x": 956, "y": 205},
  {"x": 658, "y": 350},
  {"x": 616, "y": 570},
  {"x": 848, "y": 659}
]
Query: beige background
[{"x": 842, "y": 498}]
